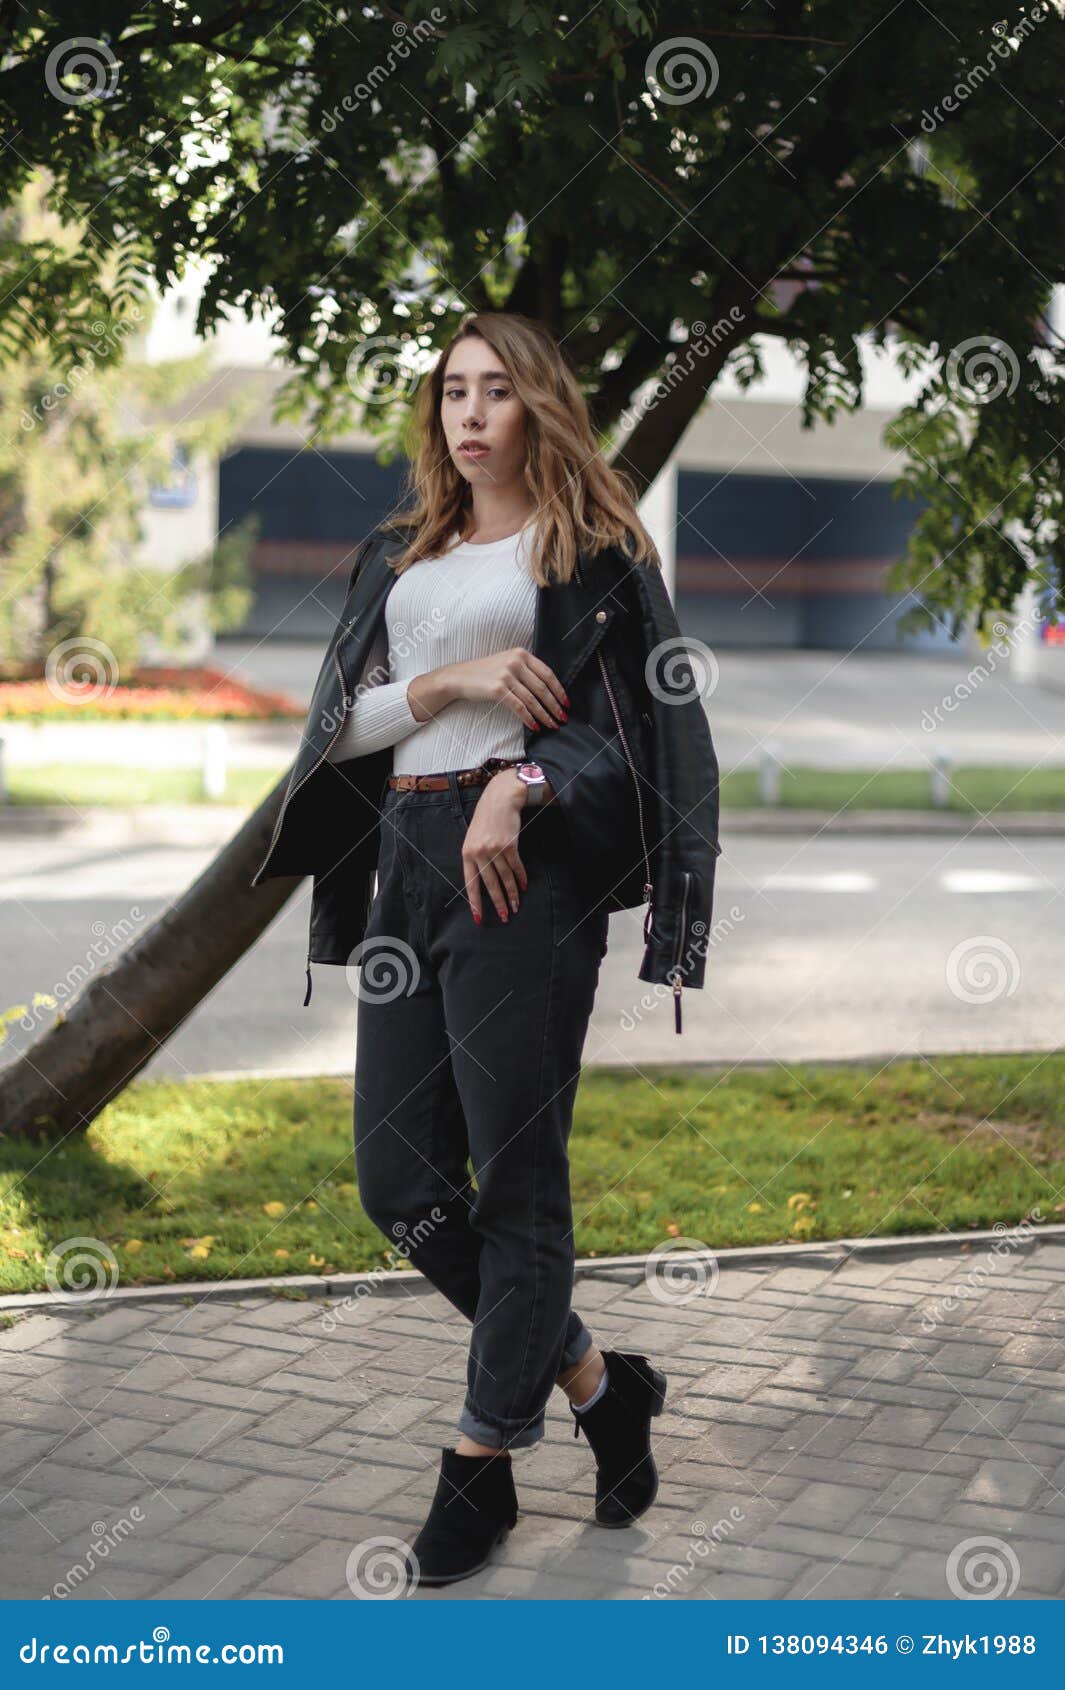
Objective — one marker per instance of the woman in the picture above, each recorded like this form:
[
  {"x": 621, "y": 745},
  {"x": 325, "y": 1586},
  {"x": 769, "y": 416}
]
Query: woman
[{"x": 506, "y": 830}]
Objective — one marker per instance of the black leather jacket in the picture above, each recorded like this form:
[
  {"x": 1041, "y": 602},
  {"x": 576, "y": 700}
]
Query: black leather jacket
[{"x": 635, "y": 774}]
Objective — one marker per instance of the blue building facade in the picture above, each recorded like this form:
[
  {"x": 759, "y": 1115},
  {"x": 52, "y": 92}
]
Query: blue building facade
[
  {"x": 762, "y": 560},
  {"x": 793, "y": 561}
]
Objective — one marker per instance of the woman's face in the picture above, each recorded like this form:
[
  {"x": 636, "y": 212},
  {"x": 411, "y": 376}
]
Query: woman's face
[{"x": 478, "y": 404}]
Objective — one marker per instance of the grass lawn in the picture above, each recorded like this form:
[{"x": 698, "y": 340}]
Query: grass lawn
[
  {"x": 100, "y": 783},
  {"x": 972, "y": 789},
  {"x": 975, "y": 789},
  {"x": 208, "y": 1180}
]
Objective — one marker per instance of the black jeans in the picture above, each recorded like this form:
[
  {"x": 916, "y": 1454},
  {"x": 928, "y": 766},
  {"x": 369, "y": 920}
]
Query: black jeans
[{"x": 469, "y": 1050}]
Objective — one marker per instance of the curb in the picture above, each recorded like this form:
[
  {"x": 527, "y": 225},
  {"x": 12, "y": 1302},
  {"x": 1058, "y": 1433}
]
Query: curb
[
  {"x": 57, "y": 818},
  {"x": 934, "y": 823},
  {"x": 622, "y": 1269},
  {"x": 211, "y": 820}
]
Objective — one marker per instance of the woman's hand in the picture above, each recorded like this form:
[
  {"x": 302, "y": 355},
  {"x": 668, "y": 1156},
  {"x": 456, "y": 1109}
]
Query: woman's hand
[
  {"x": 517, "y": 678},
  {"x": 490, "y": 849}
]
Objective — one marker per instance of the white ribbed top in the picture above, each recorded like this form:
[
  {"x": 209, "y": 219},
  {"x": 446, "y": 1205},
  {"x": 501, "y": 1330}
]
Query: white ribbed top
[{"x": 473, "y": 601}]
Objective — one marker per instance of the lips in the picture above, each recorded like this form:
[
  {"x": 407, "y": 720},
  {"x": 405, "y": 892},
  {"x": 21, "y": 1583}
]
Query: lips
[{"x": 474, "y": 450}]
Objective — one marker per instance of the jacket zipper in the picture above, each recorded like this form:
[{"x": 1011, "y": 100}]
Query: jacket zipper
[
  {"x": 682, "y": 929},
  {"x": 648, "y": 888}
]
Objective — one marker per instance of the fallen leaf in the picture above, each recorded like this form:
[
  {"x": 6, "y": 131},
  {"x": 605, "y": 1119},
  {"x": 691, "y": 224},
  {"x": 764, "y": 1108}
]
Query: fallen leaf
[
  {"x": 315, "y": 1261},
  {"x": 280, "y": 1252},
  {"x": 799, "y": 1200},
  {"x": 132, "y": 1245},
  {"x": 273, "y": 1209},
  {"x": 673, "y": 1229},
  {"x": 754, "y": 1208}
]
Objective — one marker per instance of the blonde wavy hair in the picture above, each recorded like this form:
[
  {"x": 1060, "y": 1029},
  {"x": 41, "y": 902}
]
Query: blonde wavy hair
[{"x": 582, "y": 504}]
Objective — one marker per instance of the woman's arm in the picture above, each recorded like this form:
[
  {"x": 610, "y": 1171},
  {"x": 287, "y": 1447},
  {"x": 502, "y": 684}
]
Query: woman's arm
[{"x": 384, "y": 712}]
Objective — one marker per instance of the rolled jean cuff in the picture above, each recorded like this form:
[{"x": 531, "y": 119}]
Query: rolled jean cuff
[
  {"x": 510, "y": 1434},
  {"x": 575, "y": 1349}
]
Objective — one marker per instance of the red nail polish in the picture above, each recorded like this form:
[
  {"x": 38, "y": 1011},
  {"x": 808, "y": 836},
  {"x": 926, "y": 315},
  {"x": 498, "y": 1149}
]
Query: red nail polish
[{"x": 476, "y": 917}]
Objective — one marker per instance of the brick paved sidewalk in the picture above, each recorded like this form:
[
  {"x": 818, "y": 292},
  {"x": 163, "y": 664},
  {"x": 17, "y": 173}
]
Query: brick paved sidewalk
[{"x": 830, "y": 1431}]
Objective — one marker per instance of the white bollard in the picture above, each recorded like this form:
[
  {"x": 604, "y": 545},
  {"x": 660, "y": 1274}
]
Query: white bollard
[
  {"x": 942, "y": 764},
  {"x": 214, "y": 760},
  {"x": 769, "y": 777}
]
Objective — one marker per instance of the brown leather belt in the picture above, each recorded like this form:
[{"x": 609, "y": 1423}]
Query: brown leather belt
[{"x": 465, "y": 777}]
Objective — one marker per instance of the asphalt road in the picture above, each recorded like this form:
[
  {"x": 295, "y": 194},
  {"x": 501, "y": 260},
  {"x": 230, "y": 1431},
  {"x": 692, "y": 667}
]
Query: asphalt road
[{"x": 824, "y": 947}]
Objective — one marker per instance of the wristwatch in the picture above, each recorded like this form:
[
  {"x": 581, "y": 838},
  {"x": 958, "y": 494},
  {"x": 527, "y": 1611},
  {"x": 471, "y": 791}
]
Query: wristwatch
[{"x": 534, "y": 778}]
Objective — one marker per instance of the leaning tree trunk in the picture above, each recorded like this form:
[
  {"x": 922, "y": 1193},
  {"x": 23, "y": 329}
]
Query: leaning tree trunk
[{"x": 125, "y": 1013}]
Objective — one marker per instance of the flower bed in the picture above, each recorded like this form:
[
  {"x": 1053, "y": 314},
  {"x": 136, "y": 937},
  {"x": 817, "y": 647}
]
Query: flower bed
[{"x": 153, "y": 694}]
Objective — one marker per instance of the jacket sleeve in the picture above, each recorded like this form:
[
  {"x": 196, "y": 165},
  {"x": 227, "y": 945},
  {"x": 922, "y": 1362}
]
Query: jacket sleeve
[
  {"x": 585, "y": 761},
  {"x": 685, "y": 786},
  {"x": 590, "y": 777}
]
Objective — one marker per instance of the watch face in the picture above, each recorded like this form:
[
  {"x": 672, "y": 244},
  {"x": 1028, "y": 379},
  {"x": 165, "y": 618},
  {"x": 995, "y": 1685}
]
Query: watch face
[{"x": 531, "y": 771}]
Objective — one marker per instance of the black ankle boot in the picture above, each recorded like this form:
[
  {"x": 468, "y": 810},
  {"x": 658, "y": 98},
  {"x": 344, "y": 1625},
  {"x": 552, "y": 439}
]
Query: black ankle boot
[
  {"x": 618, "y": 1427},
  {"x": 474, "y": 1507}
]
